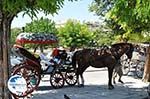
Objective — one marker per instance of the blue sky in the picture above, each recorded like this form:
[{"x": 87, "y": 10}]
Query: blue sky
[{"x": 71, "y": 10}]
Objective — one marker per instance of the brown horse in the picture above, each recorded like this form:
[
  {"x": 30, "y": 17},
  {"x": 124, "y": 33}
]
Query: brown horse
[{"x": 100, "y": 58}]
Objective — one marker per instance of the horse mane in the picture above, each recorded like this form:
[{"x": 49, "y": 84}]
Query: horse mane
[
  {"x": 122, "y": 44},
  {"x": 119, "y": 44}
]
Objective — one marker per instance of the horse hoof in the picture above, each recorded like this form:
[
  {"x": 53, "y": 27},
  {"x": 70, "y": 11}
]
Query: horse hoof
[
  {"x": 121, "y": 81},
  {"x": 81, "y": 85},
  {"x": 111, "y": 87},
  {"x": 114, "y": 82}
]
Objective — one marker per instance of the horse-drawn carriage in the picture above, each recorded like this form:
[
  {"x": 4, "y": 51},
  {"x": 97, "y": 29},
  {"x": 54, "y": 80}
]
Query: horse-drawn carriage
[{"x": 33, "y": 68}]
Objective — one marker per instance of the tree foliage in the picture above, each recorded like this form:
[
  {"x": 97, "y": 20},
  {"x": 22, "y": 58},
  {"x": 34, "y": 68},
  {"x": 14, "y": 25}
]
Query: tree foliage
[
  {"x": 103, "y": 35},
  {"x": 128, "y": 16},
  {"x": 41, "y": 26},
  {"x": 73, "y": 33},
  {"x": 101, "y": 7},
  {"x": 132, "y": 15},
  {"x": 32, "y": 7},
  {"x": 15, "y": 32}
]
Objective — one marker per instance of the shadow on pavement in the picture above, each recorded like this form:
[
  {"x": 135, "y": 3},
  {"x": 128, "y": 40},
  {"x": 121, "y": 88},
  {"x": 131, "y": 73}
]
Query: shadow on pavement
[{"x": 91, "y": 92}]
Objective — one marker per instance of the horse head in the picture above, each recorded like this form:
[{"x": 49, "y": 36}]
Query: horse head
[
  {"x": 123, "y": 48},
  {"x": 130, "y": 50}
]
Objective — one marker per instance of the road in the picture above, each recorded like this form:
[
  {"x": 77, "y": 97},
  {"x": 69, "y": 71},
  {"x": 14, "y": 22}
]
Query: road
[{"x": 95, "y": 88}]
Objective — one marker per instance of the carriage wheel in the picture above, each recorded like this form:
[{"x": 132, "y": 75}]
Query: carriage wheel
[
  {"x": 32, "y": 77},
  {"x": 125, "y": 66},
  {"x": 140, "y": 69},
  {"x": 13, "y": 68},
  {"x": 57, "y": 80},
  {"x": 71, "y": 77}
]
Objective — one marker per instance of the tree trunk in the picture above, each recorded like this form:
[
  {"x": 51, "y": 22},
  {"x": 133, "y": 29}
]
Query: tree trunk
[
  {"x": 146, "y": 75},
  {"x": 1, "y": 61},
  {"x": 6, "y": 55},
  {"x": 1, "y": 56},
  {"x": 5, "y": 23}
]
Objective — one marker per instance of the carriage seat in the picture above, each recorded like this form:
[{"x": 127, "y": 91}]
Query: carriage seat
[{"x": 30, "y": 58}]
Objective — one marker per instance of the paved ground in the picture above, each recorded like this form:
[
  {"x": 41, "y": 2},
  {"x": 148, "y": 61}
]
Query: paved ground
[{"x": 95, "y": 88}]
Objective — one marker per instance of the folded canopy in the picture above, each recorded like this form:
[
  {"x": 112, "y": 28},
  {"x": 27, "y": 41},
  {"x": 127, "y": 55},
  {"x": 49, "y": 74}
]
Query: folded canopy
[{"x": 37, "y": 38}]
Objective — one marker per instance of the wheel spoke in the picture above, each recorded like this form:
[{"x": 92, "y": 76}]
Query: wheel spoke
[
  {"x": 71, "y": 78},
  {"x": 57, "y": 80}
]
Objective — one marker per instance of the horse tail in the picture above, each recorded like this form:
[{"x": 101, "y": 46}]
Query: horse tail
[{"x": 74, "y": 60}]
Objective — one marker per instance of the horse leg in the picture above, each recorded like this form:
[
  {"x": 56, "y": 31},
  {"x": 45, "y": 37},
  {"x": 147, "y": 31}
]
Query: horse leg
[
  {"x": 82, "y": 80},
  {"x": 79, "y": 75},
  {"x": 81, "y": 70},
  {"x": 117, "y": 71},
  {"x": 78, "y": 82},
  {"x": 120, "y": 73},
  {"x": 110, "y": 72},
  {"x": 119, "y": 80},
  {"x": 114, "y": 76}
]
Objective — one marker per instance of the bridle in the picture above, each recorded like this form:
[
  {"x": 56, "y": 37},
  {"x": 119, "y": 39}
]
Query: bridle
[{"x": 116, "y": 53}]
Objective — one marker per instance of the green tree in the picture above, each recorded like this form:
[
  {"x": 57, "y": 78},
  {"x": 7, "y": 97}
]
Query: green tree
[
  {"x": 41, "y": 26},
  {"x": 101, "y": 8},
  {"x": 103, "y": 35},
  {"x": 8, "y": 10},
  {"x": 74, "y": 34},
  {"x": 131, "y": 15},
  {"x": 14, "y": 34}
]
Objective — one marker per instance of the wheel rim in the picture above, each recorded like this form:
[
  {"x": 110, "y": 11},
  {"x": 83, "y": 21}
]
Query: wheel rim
[
  {"x": 57, "y": 80},
  {"x": 32, "y": 77},
  {"x": 71, "y": 78},
  {"x": 140, "y": 69}
]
